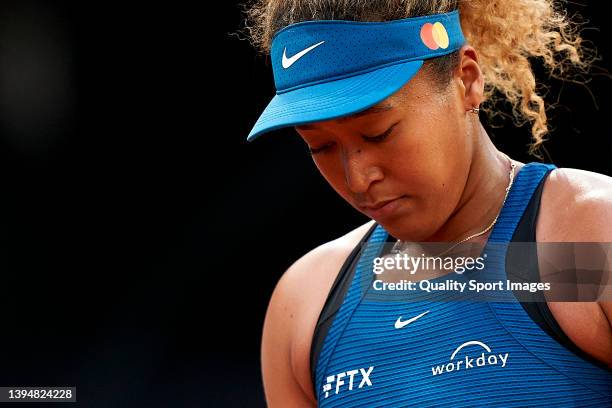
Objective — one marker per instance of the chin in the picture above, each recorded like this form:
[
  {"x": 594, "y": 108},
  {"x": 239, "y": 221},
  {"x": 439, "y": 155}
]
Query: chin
[{"x": 407, "y": 232}]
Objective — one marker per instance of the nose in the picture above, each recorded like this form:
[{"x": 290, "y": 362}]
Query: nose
[{"x": 359, "y": 169}]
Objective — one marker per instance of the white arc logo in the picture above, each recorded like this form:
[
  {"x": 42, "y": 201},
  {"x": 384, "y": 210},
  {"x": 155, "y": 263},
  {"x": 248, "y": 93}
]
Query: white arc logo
[
  {"x": 399, "y": 324},
  {"x": 287, "y": 62}
]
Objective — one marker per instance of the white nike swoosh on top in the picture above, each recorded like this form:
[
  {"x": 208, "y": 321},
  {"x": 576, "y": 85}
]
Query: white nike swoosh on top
[
  {"x": 287, "y": 62},
  {"x": 399, "y": 324}
]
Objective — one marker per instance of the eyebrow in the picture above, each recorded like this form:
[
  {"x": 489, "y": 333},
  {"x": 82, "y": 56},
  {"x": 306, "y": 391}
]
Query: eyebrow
[{"x": 374, "y": 109}]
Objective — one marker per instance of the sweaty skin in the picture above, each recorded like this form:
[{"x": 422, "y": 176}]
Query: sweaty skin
[{"x": 452, "y": 181}]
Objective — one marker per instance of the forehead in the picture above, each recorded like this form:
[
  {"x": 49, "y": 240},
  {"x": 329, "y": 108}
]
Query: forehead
[{"x": 378, "y": 108}]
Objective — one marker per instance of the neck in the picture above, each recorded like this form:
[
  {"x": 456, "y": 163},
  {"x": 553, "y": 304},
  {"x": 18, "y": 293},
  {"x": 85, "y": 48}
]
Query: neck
[{"x": 483, "y": 195}]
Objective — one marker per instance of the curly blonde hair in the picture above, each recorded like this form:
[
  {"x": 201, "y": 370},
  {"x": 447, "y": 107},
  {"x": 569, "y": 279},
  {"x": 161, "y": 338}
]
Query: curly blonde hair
[{"x": 505, "y": 33}]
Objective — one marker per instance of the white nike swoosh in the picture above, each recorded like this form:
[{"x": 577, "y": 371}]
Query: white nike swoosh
[
  {"x": 399, "y": 324},
  {"x": 287, "y": 62}
]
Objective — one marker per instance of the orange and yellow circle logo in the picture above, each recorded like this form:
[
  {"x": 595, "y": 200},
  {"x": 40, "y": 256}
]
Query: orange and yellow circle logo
[{"x": 434, "y": 36}]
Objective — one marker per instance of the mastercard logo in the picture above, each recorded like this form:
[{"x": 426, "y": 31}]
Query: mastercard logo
[{"x": 434, "y": 36}]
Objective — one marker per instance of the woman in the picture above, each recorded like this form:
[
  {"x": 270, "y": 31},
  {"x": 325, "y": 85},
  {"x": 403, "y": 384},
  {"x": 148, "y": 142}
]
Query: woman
[{"x": 386, "y": 95}]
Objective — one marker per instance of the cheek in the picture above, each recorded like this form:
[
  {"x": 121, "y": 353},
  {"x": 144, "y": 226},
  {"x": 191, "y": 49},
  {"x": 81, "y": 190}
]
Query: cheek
[
  {"x": 428, "y": 163},
  {"x": 332, "y": 171}
]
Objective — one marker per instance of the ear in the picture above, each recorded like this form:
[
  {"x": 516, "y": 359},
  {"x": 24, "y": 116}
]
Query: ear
[{"x": 469, "y": 77}]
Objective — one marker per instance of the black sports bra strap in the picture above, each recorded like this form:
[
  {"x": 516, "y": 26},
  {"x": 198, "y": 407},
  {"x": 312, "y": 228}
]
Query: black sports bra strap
[{"x": 334, "y": 301}]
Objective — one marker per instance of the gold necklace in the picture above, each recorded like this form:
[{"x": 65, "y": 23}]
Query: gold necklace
[{"x": 511, "y": 177}]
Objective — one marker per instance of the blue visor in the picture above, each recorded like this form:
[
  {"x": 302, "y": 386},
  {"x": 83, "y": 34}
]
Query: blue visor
[{"x": 328, "y": 69}]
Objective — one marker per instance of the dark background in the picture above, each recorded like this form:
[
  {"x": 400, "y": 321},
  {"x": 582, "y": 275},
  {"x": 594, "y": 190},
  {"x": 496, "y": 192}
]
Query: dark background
[{"x": 141, "y": 236}]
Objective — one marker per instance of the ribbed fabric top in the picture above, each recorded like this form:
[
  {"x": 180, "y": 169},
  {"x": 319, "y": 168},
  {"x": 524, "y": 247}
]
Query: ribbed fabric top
[{"x": 458, "y": 354}]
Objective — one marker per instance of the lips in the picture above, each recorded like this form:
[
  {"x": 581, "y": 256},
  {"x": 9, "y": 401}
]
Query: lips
[
  {"x": 382, "y": 209},
  {"x": 377, "y": 205}
]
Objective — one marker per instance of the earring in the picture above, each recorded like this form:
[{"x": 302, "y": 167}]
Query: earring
[{"x": 474, "y": 110}]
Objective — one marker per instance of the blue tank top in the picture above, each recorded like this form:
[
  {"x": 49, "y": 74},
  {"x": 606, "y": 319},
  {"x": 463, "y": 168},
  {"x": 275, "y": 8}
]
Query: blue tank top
[{"x": 459, "y": 354}]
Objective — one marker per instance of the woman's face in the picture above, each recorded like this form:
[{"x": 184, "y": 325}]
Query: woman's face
[{"x": 413, "y": 148}]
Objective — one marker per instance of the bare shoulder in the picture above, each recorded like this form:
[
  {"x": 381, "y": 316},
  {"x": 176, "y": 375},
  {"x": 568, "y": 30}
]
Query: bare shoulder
[
  {"x": 312, "y": 275},
  {"x": 317, "y": 262},
  {"x": 576, "y": 206},
  {"x": 294, "y": 308}
]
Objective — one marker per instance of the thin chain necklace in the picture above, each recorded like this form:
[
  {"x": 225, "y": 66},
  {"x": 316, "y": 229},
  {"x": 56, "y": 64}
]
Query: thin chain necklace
[{"x": 511, "y": 177}]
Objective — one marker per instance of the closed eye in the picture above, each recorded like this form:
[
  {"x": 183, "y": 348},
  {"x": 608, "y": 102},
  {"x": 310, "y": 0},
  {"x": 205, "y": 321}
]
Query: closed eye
[
  {"x": 379, "y": 138},
  {"x": 382, "y": 136},
  {"x": 315, "y": 150}
]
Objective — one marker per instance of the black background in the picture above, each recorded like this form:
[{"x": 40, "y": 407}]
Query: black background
[{"x": 141, "y": 236}]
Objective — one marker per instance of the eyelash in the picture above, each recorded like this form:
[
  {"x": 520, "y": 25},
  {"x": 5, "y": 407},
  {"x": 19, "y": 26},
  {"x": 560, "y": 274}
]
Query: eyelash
[
  {"x": 313, "y": 151},
  {"x": 378, "y": 138}
]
